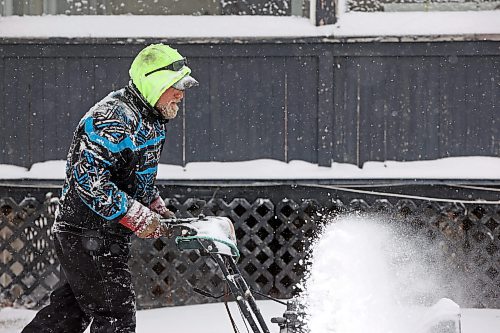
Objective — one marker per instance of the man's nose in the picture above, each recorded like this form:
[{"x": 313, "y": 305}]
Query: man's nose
[{"x": 179, "y": 94}]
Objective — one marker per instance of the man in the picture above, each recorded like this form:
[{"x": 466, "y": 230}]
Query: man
[{"x": 109, "y": 194}]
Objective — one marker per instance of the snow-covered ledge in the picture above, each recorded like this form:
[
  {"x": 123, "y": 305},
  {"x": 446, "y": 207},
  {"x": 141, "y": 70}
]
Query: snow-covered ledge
[
  {"x": 403, "y": 24},
  {"x": 472, "y": 167},
  {"x": 351, "y": 24}
]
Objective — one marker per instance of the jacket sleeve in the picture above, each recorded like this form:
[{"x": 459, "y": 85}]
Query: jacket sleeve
[
  {"x": 155, "y": 193},
  {"x": 99, "y": 153}
]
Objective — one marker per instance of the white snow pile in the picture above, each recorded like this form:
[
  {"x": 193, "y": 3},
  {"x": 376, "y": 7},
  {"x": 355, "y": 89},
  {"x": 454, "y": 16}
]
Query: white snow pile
[
  {"x": 398, "y": 24},
  {"x": 350, "y": 24},
  {"x": 470, "y": 167},
  {"x": 212, "y": 318},
  {"x": 367, "y": 276},
  {"x": 206, "y": 318}
]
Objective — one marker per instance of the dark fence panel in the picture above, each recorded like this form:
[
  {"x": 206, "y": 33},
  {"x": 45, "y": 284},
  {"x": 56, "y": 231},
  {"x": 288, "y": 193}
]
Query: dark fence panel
[
  {"x": 408, "y": 108},
  {"x": 311, "y": 100},
  {"x": 274, "y": 226}
]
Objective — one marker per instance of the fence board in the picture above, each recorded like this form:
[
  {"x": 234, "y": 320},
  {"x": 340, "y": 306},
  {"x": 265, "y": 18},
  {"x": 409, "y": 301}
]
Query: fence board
[
  {"x": 270, "y": 132},
  {"x": 216, "y": 116},
  {"x": 478, "y": 111},
  {"x": 19, "y": 107},
  {"x": 50, "y": 111},
  {"x": 430, "y": 112},
  {"x": 451, "y": 123},
  {"x": 206, "y": 145},
  {"x": 302, "y": 108},
  {"x": 494, "y": 64},
  {"x": 34, "y": 107},
  {"x": 65, "y": 81},
  {"x": 372, "y": 136},
  {"x": 344, "y": 123},
  {"x": 3, "y": 119},
  {"x": 353, "y": 109},
  {"x": 199, "y": 140},
  {"x": 325, "y": 109}
]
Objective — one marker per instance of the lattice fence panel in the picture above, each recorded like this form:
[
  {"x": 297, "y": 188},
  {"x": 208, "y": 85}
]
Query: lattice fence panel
[
  {"x": 482, "y": 244},
  {"x": 28, "y": 264},
  {"x": 296, "y": 227},
  {"x": 273, "y": 237},
  {"x": 168, "y": 276}
]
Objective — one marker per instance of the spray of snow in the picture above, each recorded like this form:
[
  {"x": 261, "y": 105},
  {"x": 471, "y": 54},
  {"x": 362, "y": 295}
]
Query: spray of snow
[{"x": 370, "y": 276}]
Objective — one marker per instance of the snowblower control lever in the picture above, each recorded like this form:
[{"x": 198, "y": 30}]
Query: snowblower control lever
[{"x": 181, "y": 227}]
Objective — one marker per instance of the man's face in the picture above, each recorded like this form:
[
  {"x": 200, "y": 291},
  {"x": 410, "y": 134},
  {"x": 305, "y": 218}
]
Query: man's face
[{"x": 167, "y": 104}]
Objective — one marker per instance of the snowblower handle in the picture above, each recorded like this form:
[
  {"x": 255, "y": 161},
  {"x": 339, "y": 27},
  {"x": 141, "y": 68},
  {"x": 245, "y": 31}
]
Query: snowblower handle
[
  {"x": 215, "y": 236},
  {"x": 180, "y": 227},
  {"x": 209, "y": 234},
  {"x": 174, "y": 220}
]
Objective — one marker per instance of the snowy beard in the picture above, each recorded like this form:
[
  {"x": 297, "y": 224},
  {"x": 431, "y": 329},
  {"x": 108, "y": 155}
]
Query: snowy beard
[{"x": 168, "y": 111}]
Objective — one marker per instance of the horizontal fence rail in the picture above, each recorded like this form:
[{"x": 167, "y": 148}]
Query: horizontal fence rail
[{"x": 274, "y": 226}]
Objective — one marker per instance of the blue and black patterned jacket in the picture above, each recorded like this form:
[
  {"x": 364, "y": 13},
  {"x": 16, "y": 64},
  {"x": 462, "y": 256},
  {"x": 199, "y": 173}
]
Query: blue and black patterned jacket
[{"x": 113, "y": 158}]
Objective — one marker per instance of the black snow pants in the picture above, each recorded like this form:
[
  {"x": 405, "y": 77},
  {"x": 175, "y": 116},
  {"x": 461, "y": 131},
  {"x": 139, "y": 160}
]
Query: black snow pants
[{"x": 95, "y": 287}]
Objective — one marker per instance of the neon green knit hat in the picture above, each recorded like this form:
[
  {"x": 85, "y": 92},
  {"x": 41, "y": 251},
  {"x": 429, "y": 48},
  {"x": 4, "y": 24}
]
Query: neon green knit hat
[{"x": 147, "y": 74}]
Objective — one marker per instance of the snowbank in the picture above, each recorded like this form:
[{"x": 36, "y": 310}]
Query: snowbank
[
  {"x": 206, "y": 318},
  {"x": 130, "y": 26},
  {"x": 359, "y": 24},
  {"x": 471, "y": 167},
  {"x": 212, "y": 318},
  {"x": 351, "y": 24}
]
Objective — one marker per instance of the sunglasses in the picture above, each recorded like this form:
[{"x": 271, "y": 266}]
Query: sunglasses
[{"x": 175, "y": 66}]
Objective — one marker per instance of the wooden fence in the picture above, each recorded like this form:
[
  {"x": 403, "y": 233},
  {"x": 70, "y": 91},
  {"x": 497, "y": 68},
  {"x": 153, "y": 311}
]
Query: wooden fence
[{"x": 309, "y": 99}]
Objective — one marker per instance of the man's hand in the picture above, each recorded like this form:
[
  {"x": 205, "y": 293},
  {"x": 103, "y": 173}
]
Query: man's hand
[
  {"x": 158, "y": 205},
  {"x": 144, "y": 222}
]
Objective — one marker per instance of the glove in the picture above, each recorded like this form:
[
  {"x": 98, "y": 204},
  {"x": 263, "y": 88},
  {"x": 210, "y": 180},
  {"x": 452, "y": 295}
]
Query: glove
[
  {"x": 158, "y": 206},
  {"x": 144, "y": 222}
]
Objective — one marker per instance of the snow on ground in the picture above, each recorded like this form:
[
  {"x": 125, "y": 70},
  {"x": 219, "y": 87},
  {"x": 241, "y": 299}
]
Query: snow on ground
[
  {"x": 206, "y": 318},
  {"x": 471, "y": 167},
  {"x": 212, "y": 318},
  {"x": 351, "y": 24}
]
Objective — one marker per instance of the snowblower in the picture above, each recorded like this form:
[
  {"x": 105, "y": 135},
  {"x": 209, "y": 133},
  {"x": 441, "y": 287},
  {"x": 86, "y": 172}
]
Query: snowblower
[{"x": 214, "y": 236}]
